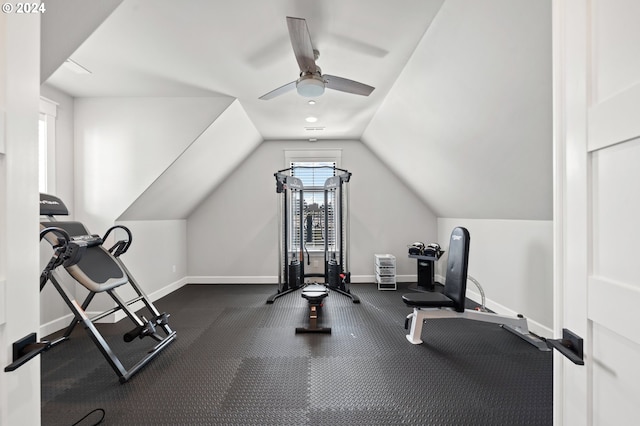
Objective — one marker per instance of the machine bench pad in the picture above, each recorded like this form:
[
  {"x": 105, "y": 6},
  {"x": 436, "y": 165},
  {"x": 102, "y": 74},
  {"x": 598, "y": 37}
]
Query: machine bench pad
[
  {"x": 427, "y": 300},
  {"x": 315, "y": 293}
]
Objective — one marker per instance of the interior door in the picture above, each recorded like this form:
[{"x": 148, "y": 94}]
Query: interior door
[{"x": 597, "y": 208}]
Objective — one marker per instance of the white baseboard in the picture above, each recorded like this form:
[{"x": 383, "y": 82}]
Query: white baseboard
[
  {"x": 63, "y": 322},
  {"x": 232, "y": 280},
  {"x": 168, "y": 289},
  {"x": 359, "y": 279},
  {"x": 55, "y": 325},
  {"x": 255, "y": 279},
  {"x": 534, "y": 327}
]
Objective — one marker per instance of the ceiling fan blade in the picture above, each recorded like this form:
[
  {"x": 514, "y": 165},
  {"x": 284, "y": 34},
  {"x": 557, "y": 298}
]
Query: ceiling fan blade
[
  {"x": 301, "y": 43},
  {"x": 279, "y": 91},
  {"x": 346, "y": 85}
]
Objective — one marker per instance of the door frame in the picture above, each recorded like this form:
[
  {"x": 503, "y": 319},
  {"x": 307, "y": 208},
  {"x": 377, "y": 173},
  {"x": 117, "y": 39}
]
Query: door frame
[{"x": 572, "y": 391}]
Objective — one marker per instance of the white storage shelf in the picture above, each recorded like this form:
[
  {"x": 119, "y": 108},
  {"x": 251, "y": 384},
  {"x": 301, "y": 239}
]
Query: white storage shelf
[
  {"x": 385, "y": 267},
  {"x": 385, "y": 270},
  {"x": 385, "y": 260}
]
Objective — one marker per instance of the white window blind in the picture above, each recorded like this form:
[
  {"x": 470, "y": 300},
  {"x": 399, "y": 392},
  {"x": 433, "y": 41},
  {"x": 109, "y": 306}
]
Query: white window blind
[{"x": 313, "y": 175}]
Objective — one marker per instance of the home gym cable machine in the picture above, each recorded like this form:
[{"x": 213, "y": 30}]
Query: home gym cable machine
[{"x": 294, "y": 213}]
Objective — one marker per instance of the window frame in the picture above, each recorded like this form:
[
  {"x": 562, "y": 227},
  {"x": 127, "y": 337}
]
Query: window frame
[
  {"x": 47, "y": 149},
  {"x": 333, "y": 156}
]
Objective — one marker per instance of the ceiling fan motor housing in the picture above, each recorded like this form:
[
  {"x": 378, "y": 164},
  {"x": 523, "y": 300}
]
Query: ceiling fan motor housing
[{"x": 310, "y": 85}]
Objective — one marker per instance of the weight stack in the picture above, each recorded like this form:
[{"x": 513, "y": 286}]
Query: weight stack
[
  {"x": 294, "y": 279},
  {"x": 333, "y": 270}
]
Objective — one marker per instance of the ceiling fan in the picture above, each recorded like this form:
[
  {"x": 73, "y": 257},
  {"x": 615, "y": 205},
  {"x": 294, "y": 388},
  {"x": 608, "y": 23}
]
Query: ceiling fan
[{"x": 312, "y": 82}]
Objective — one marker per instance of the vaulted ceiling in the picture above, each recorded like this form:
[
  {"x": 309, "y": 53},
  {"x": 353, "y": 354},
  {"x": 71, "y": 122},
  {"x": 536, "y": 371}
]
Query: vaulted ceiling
[{"x": 461, "y": 110}]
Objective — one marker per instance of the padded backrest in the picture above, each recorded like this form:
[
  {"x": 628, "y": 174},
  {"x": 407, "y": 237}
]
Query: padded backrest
[
  {"x": 51, "y": 205},
  {"x": 97, "y": 269},
  {"x": 455, "y": 284}
]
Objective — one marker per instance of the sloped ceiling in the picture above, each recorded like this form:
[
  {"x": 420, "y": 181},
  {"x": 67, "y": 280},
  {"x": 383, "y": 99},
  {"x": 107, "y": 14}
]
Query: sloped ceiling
[
  {"x": 242, "y": 49},
  {"x": 468, "y": 123},
  {"x": 62, "y": 32},
  {"x": 122, "y": 145},
  {"x": 207, "y": 162},
  {"x": 462, "y": 106}
]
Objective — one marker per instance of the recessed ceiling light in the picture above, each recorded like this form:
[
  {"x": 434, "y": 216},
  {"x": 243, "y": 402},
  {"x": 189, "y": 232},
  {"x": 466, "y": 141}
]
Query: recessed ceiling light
[
  {"x": 311, "y": 119},
  {"x": 312, "y": 102}
]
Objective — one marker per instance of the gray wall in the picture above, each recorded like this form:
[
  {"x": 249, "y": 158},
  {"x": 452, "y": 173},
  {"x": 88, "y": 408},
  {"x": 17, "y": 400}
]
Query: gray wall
[
  {"x": 512, "y": 260},
  {"x": 435, "y": 148},
  {"x": 232, "y": 236},
  {"x": 468, "y": 122},
  {"x": 468, "y": 126}
]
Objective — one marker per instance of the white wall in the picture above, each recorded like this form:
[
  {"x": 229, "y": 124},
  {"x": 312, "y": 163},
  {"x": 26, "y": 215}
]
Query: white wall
[
  {"x": 123, "y": 144},
  {"x": 157, "y": 257},
  {"x": 232, "y": 236},
  {"x": 513, "y": 261},
  {"x": 19, "y": 292},
  {"x": 121, "y": 148},
  {"x": 107, "y": 149},
  {"x": 199, "y": 169},
  {"x": 54, "y": 313}
]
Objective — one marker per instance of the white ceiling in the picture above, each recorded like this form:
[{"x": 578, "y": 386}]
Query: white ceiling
[
  {"x": 462, "y": 106},
  {"x": 241, "y": 49}
]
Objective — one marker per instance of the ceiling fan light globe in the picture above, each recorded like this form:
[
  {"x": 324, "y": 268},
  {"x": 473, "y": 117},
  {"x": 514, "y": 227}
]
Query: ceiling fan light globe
[{"x": 310, "y": 86}]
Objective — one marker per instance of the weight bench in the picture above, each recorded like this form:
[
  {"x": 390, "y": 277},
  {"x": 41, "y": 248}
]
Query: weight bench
[
  {"x": 315, "y": 295},
  {"x": 99, "y": 270},
  {"x": 451, "y": 302}
]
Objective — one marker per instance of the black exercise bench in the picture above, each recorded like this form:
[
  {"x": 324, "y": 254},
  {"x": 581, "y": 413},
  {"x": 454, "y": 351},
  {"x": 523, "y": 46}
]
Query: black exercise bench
[{"x": 451, "y": 302}]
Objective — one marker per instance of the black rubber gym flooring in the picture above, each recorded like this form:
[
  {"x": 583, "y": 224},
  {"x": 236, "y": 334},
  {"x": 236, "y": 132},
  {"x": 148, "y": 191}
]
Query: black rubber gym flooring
[{"x": 238, "y": 361}]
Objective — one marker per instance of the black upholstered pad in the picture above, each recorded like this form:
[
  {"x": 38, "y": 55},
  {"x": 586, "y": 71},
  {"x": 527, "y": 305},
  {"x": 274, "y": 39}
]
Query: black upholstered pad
[
  {"x": 427, "y": 300},
  {"x": 97, "y": 270},
  {"x": 455, "y": 285},
  {"x": 50, "y": 205}
]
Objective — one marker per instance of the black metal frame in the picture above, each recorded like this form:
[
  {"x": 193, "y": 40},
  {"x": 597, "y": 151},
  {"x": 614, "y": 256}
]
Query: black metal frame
[
  {"x": 143, "y": 327},
  {"x": 335, "y": 275},
  {"x": 289, "y": 281}
]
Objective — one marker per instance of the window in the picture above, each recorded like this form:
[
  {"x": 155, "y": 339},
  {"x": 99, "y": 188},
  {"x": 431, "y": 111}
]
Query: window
[
  {"x": 46, "y": 145},
  {"x": 42, "y": 153},
  {"x": 313, "y": 175},
  {"x": 313, "y": 167}
]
